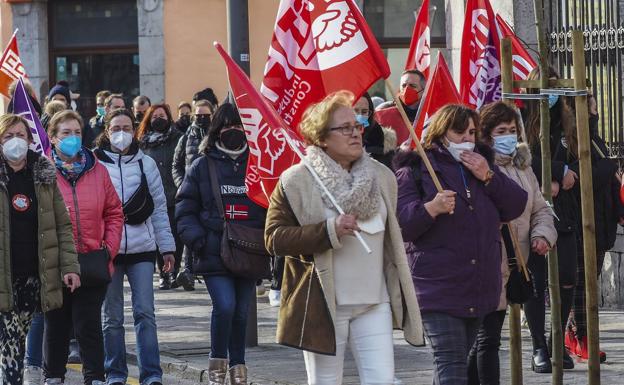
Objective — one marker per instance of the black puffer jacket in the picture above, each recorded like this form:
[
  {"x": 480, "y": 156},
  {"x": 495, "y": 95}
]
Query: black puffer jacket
[
  {"x": 197, "y": 216},
  {"x": 186, "y": 151},
  {"x": 162, "y": 151}
]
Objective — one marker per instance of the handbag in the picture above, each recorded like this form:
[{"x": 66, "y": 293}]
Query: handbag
[
  {"x": 519, "y": 286},
  {"x": 140, "y": 205},
  {"x": 94, "y": 268},
  {"x": 242, "y": 247}
]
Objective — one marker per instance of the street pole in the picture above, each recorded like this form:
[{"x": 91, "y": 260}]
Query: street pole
[
  {"x": 553, "y": 258},
  {"x": 587, "y": 207},
  {"x": 238, "y": 44},
  {"x": 515, "y": 334}
]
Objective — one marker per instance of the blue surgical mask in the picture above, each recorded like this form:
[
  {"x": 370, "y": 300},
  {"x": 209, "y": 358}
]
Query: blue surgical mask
[
  {"x": 552, "y": 100},
  {"x": 505, "y": 144},
  {"x": 70, "y": 145},
  {"x": 363, "y": 120},
  {"x": 101, "y": 111}
]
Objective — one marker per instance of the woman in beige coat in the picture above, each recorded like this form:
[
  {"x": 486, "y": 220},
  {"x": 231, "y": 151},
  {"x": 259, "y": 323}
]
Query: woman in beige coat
[
  {"x": 536, "y": 235},
  {"x": 334, "y": 293}
]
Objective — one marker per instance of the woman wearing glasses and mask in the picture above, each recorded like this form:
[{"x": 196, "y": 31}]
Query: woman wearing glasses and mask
[{"x": 334, "y": 293}]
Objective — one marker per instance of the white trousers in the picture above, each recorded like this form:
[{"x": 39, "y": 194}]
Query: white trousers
[{"x": 368, "y": 330}]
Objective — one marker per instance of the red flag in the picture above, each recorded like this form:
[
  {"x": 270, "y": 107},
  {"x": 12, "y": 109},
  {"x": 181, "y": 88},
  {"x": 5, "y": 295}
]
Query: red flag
[
  {"x": 523, "y": 63},
  {"x": 439, "y": 91},
  {"x": 269, "y": 152},
  {"x": 319, "y": 47},
  {"x": 480, "y": 75},
  {"x": 11, "y": 67},
  {"x": 419, "y": 56}
]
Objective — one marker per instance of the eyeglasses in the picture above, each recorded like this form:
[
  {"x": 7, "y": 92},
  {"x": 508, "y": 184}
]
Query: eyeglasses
[{"x": 347, "y": 130}]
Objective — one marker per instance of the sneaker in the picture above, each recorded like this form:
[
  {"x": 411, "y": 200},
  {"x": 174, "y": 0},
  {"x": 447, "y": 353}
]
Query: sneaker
[
  {"x": 164, "y": 283},
  {"x": 275, "y": 297},
  {"x": 53, "y": 381},
  {"x": 582, "y": 352},
  {"x": 260, "y": 290},
  {"x": 186, "y": 280},
  {"x": 32, "y": 375}
]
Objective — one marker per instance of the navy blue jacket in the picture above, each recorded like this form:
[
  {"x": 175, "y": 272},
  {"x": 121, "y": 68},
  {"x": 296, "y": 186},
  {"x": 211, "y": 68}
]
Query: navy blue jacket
[{"x": 197, "y": 217}]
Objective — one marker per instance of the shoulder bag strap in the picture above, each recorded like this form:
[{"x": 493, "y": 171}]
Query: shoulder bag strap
[
  {"x": 214, "y": 185},
  {"x": 509, "y": 247}
]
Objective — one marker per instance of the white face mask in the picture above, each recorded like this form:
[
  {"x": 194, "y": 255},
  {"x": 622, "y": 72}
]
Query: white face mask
[
  {"x": 120, "y": 140},
  {"x": 15, "y": 149},
  {"x": 457, "y": 148}
]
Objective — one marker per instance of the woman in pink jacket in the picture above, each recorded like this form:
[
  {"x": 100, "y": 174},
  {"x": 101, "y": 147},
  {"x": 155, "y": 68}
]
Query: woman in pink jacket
[{"x": 97, "y": 219}]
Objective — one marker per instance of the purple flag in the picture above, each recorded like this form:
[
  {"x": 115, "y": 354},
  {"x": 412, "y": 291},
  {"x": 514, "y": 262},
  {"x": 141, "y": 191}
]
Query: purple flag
[{"x": 23, "y": 107}]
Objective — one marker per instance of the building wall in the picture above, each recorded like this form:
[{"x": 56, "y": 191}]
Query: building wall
[{"x": 191, "y": 62}]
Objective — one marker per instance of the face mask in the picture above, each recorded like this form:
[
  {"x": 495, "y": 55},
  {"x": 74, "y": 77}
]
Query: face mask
[
  {"x": 363, "y": 120},
  {"x": 120, "y": 140},
  {"x": 184, "y": 121},
  {"x": 101, "y": 111},
  {"x": 505, "y": 144},
  {"x": 233, "y": 139},
  {"x": 552, "y": 100},
  {"x": 139, "y": 116},
  {"x": 202, "y": 121},
  {"x": 410, "y": 96},
  {"x": 160, "y": 125},
  {"x": 15, "y": 149},
  {"x": 70, "y": 145},
  {"x": 457, "y": 148}
]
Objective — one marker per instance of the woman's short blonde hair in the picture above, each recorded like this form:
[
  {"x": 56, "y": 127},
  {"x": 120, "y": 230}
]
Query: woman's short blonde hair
[
  {"x": 454, "y": 117},
  {"x": 314, "y": 126},
  {"x": 9, "y": 120},
  {"x": 62, "y": 117},
  {"x": 54, "y": 106}
]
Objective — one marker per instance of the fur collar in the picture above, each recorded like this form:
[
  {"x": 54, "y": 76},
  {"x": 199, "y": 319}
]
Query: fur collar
[
  {"x": 390, "y": 139},
  {"x": 521, "y": 159},
  {"x": 356, "y": 191},
  {"x": 43, "y": 170}
]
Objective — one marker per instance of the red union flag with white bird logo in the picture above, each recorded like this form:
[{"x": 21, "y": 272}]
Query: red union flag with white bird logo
[
  {"x": 319, "y": 47},
  {"x": 11, "y": 67},
  {"x": 523, "y": 63},
  {"x": 419, "y": 56},
  {"x": 480, "y": 71},
  {"x": 269, "y": 151}
]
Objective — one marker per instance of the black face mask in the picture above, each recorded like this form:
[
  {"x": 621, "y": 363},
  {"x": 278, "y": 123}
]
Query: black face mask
[
  {"x": 139, "y": 116},
  {"x": 203, "y": 121},
  {"x": 233, "y": 139},
  {"x": 184, "y": 121},
  {"x": 160, "y": 125}
]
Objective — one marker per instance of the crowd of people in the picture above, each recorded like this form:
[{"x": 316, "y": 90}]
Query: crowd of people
[{"x": 134, "y": 191}]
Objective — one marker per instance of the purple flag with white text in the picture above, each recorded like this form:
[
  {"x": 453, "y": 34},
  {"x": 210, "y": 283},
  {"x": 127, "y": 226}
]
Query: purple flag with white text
[{"x": 23, "y": 107}]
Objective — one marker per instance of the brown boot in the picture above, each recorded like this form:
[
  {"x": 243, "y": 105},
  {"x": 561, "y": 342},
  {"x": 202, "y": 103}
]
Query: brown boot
[
  {"x": 217, "y": 371},
  {"x": 238, "y": 375}
]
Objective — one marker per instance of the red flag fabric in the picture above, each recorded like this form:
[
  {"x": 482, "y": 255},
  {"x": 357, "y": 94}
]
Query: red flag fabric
[
  {"x": 269, "y": 152},
  {"x": 319, "y": 47},
  {"x": 523, "y": 63},
  {"x": 439, "y": 91},
  {"x": 419, "y": 56},
  {"x": 480, "y": 75},
  {"x": 11, "y": 67}
]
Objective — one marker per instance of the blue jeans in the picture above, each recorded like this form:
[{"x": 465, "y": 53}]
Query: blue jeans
[
  {"x": 231, "y": 298},
  {"x": 451, "y": 340},
  {"x": 34, "y": 342},
  {"x": 140, "y": 277}
]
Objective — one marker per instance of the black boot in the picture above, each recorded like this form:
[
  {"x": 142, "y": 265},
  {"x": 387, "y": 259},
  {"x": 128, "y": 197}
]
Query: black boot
[
  {"x": 174, "y": 280},
  {"x": 540, "y": 363},
  {"x": 186, "y": 279},
  {"x": 568, "y": 362},
  {"x": 165, "y": 281}
]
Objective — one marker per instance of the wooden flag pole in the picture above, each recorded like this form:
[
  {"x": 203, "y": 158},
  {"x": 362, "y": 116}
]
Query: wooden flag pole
[
  {"x": 410, "y": 128},
  {"x": 587, "y": 208},
  {"x": 515, "y": 332},
  {"x": 553, "y": 258}
]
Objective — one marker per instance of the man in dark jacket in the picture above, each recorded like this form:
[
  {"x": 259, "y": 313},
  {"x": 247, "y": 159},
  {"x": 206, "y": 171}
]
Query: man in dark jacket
[{"x": 95, "y": 128}]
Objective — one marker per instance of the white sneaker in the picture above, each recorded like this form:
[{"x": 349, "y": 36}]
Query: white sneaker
[
  {"x": 96, "y": 382},
  {"x": 53, "y": 381},
  {"x": 32, "y": 375},
  {"x": 275, "y": 296}
]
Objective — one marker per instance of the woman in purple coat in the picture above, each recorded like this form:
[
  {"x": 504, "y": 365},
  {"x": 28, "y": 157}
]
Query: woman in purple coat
[{"x": 453, "y": 237}]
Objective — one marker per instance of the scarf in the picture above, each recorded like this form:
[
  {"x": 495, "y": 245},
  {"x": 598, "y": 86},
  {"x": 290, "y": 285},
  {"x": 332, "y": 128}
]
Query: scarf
[
  {"x": 70, "y": 170},
  {"x": 234, "y": 154},
  {"x": 155, "y": 139},
  {"x": 356, "y": 191}
]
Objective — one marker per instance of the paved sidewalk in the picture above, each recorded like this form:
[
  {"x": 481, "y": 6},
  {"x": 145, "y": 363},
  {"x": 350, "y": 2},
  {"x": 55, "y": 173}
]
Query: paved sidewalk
[{"x": 184, "y": 334}]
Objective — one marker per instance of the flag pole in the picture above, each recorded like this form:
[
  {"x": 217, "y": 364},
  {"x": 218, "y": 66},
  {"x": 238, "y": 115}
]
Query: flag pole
[
  {"x": 322, "y": 185},
  {"x": 410, "y": 127}
]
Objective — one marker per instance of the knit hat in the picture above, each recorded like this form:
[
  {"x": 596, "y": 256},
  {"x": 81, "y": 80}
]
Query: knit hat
[{"x": 61, "y": 88}]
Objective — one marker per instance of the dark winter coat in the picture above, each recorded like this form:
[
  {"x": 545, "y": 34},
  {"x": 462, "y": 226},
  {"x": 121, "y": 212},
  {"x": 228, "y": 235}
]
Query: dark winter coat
[
  {"x": 162, "y": 151},
  {"x": 92, "y": 131},
  {"x": 455, "y": 259},
  {"x": 186, "y": 151},
  {"x": 197, "y": 216}
]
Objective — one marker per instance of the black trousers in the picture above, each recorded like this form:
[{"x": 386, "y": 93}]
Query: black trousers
[
  {"x": 83, "y": 310},
  {"x": 483, "y": 361},
  {"x": 178, "y": 244}
]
